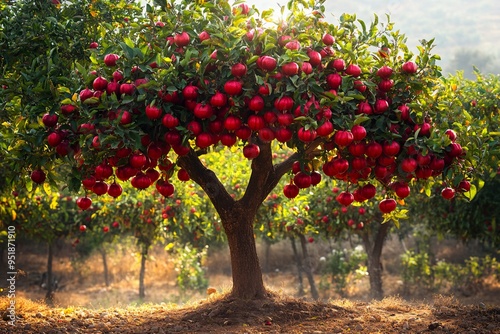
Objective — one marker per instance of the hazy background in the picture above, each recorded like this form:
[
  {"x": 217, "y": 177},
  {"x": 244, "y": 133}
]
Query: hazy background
[{"x": 467, "y": 33}]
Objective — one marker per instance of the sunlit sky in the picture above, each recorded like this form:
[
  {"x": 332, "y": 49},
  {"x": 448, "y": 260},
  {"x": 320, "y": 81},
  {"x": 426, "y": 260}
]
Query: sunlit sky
[{"x": 455, "y": 24}]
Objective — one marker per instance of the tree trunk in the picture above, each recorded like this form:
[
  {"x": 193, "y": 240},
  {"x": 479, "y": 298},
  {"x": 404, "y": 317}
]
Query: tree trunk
[
  {"x": 299, "y": 267},
  {"x": 308, "y": 266},
  {"x": 49, "y": 297},
  {"x": 104, "y": 265},
  {"x": 245, "y": 267},
  {"x": 374, "y": 251},
  {"x": 142, "y": 272},
  {"x": 237, "y": 216}
]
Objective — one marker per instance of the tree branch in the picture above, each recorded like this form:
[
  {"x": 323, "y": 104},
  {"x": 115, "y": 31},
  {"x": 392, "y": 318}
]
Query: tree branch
[{"x": 208, "y": 181}]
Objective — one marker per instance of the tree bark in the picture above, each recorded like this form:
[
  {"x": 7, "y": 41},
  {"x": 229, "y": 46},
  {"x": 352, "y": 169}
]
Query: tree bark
[
  {"x": 49, "y": 297},
  {"x": 104, "y": 265},
  {"x": 245, "y": 267},
  {"x": 299, "y": 267},
  {"x": 374, "y": 251},
  {"x": 142, "y": 272},
  {"x": 308, "y": 266}
]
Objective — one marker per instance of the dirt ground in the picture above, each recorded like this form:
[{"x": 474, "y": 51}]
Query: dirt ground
[
  {"x": 85, "y": 305},
  {"x": 274, "y": 315}
]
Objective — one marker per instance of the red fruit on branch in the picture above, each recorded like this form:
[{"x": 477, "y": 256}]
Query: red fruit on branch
[
  {"x": 334, "y": 80},
  {"x": 365, "y": 108},
  {"x": 302, "y": 180},
  {"x": 137, "y": 160},
  {"x": 181, "y": 39},
  {"x": 384, "y": 72},
  {"x": 244, "y": 132},
  {"x": 204, "y": 140},
  {"x": 203, "y": 36},
  {"x": 451, "y": 134},
  {"x": 292, "y": 45},
  {"x": 232, "y": 123},
  {"x": 357, "y": 149},
  {"x": 343, "y": 138},
  {"x": 284, "y": 103},
  {"x": 256, "y": 103},
  {"x": 85, "y": 94},
  {"x": 454, "y": 150},
  {"x": 385, "y": 85},
  {"x": 170, "y": 121},
  {"x": 190, "y": 92},
  {"x": 267, "y": 63},
  {"x": 402, "y": 189},
  {"x": 314, "y": 58},
  {"x": 183, "y": 175},
  {"x": 409, "y": 165},
  {"x": 328, "y": 39},
  {"x": 368, "y": 191},
  {"x": 83, "y": 203},
  {"x": 218, "y": 100},
  {"x": 127, "y": 89},
  {"x": 251, "y": 151},
  {"x": 110, "y": 59},
  {"x": 358, "y": 132},
  {"x": 290, "y": 69},
  {"x": 203, "y": 111},
  {"x": 353, "y": 70},
  {"x": 153, "y": 112},
  {"x": 238, "y": 70},
  {"x": 338, "y": 64},
  {"x": 49, "y": 120},
  {"x": 373, "y": 150},
  {"x": 115, "y": 190},
  {"x": 409, "y": 67},
  {"x": 306, "y": 136},
  {"x": 266, "y": 135},
  {"x": 391, "y": 148},
  {"x": 256, "y": 122},
  {"x": 387, "y": 205},
  {"x": 100, "y": 83},
  {"x": 464, "y": 186},
  {"x": 345, "y": 198},
  {"x": 325, "y": 129},
  {"x": 291, "y": 190},
  {"x": 233, "y": 87},
  {"x": 283, "y": 134},
  {"x": 38, "y": 176},
  {"x": 448, "y": 193},
  {"x": 141, "y": 181},
  {"x": 381, "y": 106},
  {"x": 165, "y": 188},
  {"x": 100, "y": 188},
  {"x": 54, "y": 139},
  {"x": 315, "y": 178}
]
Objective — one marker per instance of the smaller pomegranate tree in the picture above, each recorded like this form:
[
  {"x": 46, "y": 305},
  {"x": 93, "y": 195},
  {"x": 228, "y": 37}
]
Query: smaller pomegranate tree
[{"x": 192, "y": 78}]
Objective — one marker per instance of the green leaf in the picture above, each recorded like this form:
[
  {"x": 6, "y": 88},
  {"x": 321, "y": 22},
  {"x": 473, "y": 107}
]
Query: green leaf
[
  {"x": 471, "y": 193},
  {"x": 360, "y": 119}
]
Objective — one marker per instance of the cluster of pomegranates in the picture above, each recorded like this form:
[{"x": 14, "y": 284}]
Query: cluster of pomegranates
[{"x": 206, "y": 113}]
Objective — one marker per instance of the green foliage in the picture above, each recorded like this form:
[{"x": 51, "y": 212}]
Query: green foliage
[
  {"x": 416, "y": 269},
  {"x": 343, "y": 267},
  {"x": 419, "y": 272},
  {"x": 189, "y": 267}
]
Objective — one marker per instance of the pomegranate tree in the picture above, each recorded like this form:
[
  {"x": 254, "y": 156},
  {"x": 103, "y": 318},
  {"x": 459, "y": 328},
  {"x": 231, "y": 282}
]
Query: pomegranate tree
[{"x": 355, "y": 113}]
